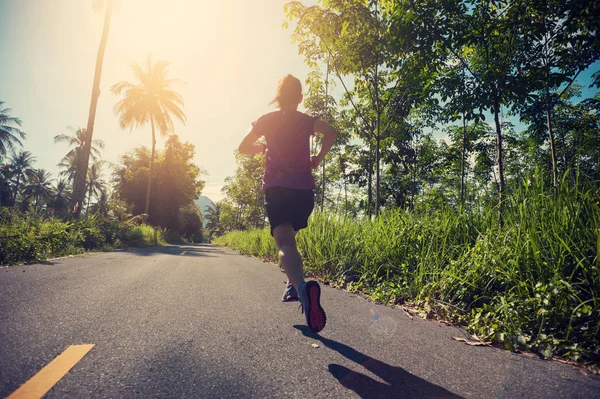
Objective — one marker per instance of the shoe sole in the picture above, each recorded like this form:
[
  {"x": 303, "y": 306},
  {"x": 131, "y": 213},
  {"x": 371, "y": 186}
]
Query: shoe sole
[
  {"x": 290, "y": 299},
  {"x": 315, "y": 315}
]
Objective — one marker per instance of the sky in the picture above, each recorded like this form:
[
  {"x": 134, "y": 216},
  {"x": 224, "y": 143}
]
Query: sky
[{"x": 229, "y": 53}]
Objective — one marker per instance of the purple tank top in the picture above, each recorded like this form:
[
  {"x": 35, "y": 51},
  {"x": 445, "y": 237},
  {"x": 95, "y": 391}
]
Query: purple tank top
[{"x": 288, "y": 149}]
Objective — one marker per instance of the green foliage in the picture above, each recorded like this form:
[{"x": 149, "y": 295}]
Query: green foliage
[
  {"x": 142, "y": 236},
  {"x": 243, "y": 208},
  {"x": 150, "y": 100},
  {"x": 176, "y": 184},
  {"x": 76, "y": 139},
  {"x": 190, "y": 223},
  {"x": 533, "y": 285},
  {"x": 10, "y": 134},
  {"x": 32, "y": 237},
  {"x": 256, "y": 242}
]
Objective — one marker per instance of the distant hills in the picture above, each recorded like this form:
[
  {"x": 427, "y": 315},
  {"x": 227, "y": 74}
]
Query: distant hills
[{"x": 202, "y": 203}]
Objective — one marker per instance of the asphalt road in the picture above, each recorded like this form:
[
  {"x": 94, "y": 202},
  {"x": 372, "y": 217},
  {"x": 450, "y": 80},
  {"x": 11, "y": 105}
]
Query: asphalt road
[{"x": 205, "y": 322}]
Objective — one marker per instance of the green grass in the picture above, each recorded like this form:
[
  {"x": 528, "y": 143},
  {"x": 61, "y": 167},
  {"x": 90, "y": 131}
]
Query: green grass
[
  {"x": 31, "y": 237},
  {"x": 534, "y": 285}
]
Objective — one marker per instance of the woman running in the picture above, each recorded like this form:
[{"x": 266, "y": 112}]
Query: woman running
[{"x": 288, "y": 185}]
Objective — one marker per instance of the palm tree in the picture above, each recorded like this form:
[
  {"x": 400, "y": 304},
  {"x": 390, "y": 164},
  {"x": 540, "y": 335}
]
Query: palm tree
[
  {"x": 102, "y": 205},
  {"x": 9, "y": 133},
  {"x": 213, "y": 213},
  {"x": 77, "y": 140},
  {"x": 21, "y": 164},
  {"x": 151, "y": 101},
  {"x": 83, "y": 161},
  {"x": 39, "y": 186},
  {"x": 95, "y": 182},
  {"x": 68, "y": 165},
  {"x": 7, "y": 174},
  {"x": 62, "y": 196}
]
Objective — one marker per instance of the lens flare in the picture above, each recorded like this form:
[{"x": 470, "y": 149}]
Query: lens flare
[{"x": 382, "y": 328}]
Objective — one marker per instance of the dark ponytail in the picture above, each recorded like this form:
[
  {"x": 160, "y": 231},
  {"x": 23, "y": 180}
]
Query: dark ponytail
[{"x": 289, "y": 92}]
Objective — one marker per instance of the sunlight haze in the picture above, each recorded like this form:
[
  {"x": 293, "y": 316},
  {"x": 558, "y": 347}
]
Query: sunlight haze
[{"x": 230, "y": 54}]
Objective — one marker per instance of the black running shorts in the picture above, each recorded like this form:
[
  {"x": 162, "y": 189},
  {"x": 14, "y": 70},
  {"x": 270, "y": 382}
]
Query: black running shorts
[{"x": 287, "y": 205}]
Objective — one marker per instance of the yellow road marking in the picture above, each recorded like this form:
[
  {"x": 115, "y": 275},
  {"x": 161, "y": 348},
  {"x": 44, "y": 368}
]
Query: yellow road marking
[{"x": 38, "y": 385}]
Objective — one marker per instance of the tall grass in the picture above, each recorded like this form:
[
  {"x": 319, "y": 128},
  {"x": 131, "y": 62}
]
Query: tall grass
[{"x": 534, "y": 284}]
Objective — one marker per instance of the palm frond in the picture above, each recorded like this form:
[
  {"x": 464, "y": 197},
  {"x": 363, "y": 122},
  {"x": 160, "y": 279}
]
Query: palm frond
[
  {"x": 172, "y": 96},
  {"x": 172, "y": 109},
  {"x": 150, "y": 99},
  {"x": 10, "y": 134},
  {"x": 122, "y": 86}
]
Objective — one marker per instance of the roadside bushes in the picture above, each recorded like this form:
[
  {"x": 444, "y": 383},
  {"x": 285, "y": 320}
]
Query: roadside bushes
[{"x": 31, "y": 237}]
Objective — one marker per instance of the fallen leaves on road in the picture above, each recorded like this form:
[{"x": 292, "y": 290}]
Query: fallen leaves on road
[
  {"x": 407, "y": 314},
  {"x": 472, "y": 343}
]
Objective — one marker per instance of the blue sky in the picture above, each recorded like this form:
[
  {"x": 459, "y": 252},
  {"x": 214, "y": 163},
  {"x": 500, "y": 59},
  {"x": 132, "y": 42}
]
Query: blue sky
[{"x": 230, "y": 53}]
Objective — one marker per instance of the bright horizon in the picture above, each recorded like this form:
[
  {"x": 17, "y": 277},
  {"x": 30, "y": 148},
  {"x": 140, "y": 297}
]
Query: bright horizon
[{"x": 230, "y": 55}]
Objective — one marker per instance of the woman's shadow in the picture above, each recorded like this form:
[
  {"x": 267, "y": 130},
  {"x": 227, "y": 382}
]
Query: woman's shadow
[{"x": 400, "y": 383}]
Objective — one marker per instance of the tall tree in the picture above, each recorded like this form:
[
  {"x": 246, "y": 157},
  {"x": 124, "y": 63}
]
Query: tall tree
[
  {"x": 319, "y": 102},
  {"x": 213, "y": 214},
  {"x": 463, "y": 141},
  {"x": 487, "y": 38},
  {"x": 77, "y": 140},
  {"x": 96, "y": 185},
  {"x": 10, "y": 134},
  {"x": 243, "y": 206},
  {"x": 7, "y": 175},
  {"x": 355, "y": 37},
  {"x": 561, "y": 43},
  {"x": 38, "y": 187},
  {"x": 21, "y": 164},
  {"x": 149, "y": 101},
  {"x": 83, "y": 161},
  {"x": 62, "y": 196},
  {"x": 102, "y": 205},
  {"x": 178, "y": 181}
]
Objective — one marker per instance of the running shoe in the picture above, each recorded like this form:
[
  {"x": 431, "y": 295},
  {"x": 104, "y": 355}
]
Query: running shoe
[
  {"x": 310, "y": 297},
  {"x": 290, "y": 294}
]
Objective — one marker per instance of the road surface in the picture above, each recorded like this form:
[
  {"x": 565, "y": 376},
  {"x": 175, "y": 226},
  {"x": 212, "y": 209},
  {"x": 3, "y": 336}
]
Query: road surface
[{"x": 199, "y": 321}]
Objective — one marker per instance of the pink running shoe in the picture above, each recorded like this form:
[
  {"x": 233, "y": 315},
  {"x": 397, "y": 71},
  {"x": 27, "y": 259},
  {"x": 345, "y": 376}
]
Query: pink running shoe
[{"x": 310, "y": 296}]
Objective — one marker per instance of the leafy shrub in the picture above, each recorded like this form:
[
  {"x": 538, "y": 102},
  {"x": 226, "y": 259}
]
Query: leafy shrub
[{"x": 31, "y": 237}]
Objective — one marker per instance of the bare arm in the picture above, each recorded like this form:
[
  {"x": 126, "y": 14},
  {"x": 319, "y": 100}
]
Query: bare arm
[
  {"x": 329, "y": 135},
  {"x": 248, "y": 146}
]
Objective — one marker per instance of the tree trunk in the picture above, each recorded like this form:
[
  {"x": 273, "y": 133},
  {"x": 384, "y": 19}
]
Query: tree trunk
[
  {"x": 378, "y": 112},
  {"x": 83, "y": 161},
  {"x": 464, "y": 143},
  {"x": 17, "y": 187},
  {"x": 370, "y": 181},
  {"x": 345, "y": 195},
  {"x": 552, "y": 146},
  {"x": 462, "y": 162},
  {"x": 149, "y": 189},
  {"x": 499, "y": 159},
  {"x": 412, "y": 189},
  {"x": 323, "y": 188},
  {"x": 87, "y": 208},
  {"x": 377, "y": 173},
  {"x": 377, "y": 143},
  {"x": 323, "y": 182},
  {"x": 548, "y": 116}
]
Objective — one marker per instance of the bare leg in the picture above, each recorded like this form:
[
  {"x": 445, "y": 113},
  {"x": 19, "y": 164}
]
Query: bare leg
[{"x": 285, "y": 239}]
